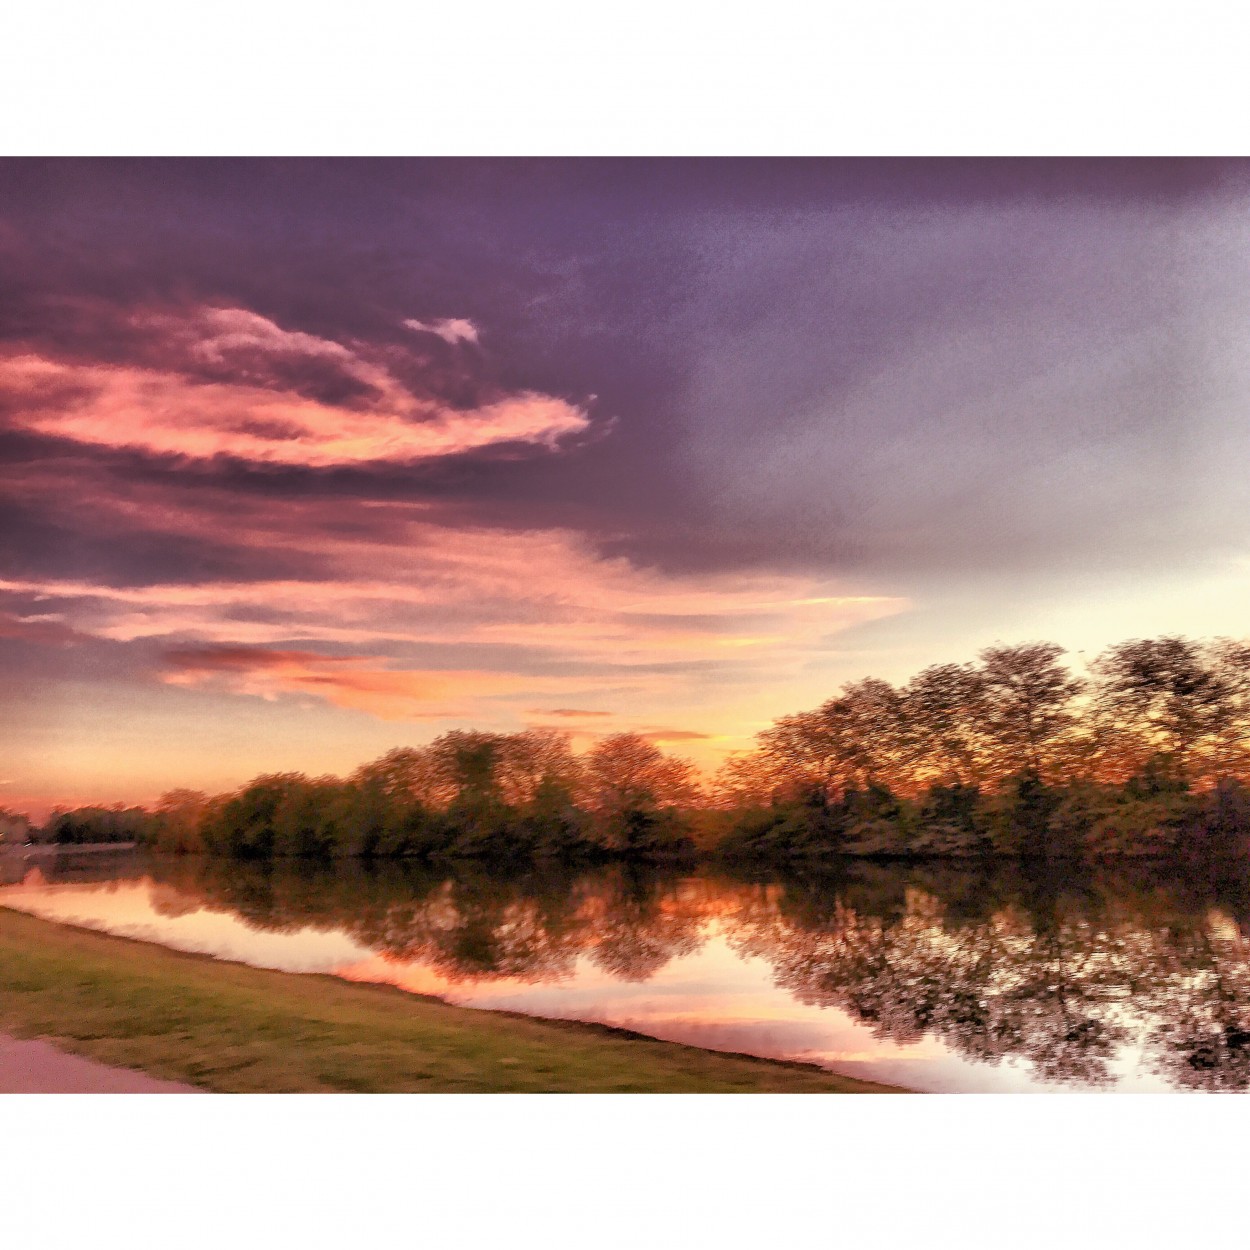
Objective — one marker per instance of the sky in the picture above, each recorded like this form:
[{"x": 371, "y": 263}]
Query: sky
[{"x": 301, "y": 460}]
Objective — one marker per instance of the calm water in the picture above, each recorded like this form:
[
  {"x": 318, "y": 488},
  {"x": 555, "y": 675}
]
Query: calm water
[{"x": 937, "y": 979}]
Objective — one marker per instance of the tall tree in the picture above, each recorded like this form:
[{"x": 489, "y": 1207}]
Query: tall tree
[
  {"x": 635, "y": 789},
  {"x": 807, "y": 748},
  {"x": 1029, "y": 697},
  {"x": 1166, "y": 693},
  {"x": 946, "y": 709},
  {"x": 532, "y": 760},
  {"x": 410, "y": 775}
]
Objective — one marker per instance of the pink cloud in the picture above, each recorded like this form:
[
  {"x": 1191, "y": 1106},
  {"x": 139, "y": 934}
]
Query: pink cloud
[
  {"x": 252, "y": 404},
  {"x": 353, "y": 594},
  {"x": 46, "y": 630},
  {"x": 450, "y": 329},
  {"x": 355, "y": 683}
]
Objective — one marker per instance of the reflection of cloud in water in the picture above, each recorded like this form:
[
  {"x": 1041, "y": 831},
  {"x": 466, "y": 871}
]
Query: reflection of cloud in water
[{"x": 127, "y": 912}]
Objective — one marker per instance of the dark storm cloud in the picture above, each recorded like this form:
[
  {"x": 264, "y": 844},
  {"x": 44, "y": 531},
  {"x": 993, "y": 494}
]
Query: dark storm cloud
[
  {"x": 882, "y": 369},
  {"x": 318, "y": 445}
]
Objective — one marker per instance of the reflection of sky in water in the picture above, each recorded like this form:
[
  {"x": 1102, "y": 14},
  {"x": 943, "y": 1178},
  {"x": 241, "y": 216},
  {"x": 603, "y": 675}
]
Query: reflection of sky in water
[{"x": 713, "y": 997}]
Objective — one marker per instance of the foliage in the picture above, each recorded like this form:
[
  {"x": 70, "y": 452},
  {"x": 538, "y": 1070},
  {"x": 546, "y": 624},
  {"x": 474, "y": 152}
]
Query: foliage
[
  {"x": 465, "y": 795},
  {"x": 85, "y": 825}
]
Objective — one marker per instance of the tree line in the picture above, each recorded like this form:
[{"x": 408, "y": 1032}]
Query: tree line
[
  {"x": 1147, "y": 752},
  {"x": 467, "y": 794}
]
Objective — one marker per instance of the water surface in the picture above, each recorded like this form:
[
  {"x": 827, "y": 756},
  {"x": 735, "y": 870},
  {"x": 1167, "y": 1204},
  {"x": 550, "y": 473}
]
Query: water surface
[{"x": 938, "y": 979}]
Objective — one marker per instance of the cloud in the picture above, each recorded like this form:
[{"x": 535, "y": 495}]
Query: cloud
[
  {"x": 413, "y": 581},
  {"x": 450, "y": 329},
  {"x": 48, "y": 630},
  {"x": 569, "y": 712},
  {"x": 356, "y": 683},
  {"x": 383, "y": 608},
  {"x": 227, "y": 382}
]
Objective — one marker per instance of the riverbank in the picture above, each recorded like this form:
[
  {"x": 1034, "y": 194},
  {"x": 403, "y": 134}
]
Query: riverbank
[{"x": 235, "y": 1029}]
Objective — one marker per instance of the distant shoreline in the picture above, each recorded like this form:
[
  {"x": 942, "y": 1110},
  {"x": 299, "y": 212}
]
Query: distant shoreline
[{"x": 63, "y": 848}]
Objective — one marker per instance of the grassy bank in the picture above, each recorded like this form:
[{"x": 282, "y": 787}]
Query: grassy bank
[{"x": 231, "y": 1028}]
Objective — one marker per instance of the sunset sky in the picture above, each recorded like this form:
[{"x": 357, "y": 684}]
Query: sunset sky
[{"x": 303, "y": 460}]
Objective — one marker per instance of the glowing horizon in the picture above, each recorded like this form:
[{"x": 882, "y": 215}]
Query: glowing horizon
[{"x": 561, "y": 460}]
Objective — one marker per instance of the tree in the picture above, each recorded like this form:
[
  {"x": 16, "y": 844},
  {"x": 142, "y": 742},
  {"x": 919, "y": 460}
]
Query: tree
[
  {"x": 1229, "y": 751},
  {"x": 1166, "y": 694},
  {"x": 807, "y": 749},
  {"x": 947, "y": 709},
  {"x": 14, "y": 827},
  {"x": 179, "y": 817},
  {"x": 244, "y": 824},
  {"x": 410, "y": 775},
  {"x": 533, "y": 761},
  {"x": 750, "y": 779},
  {"x": 870, "y": 719},
  {"x": 634, "y": 790},
  {"x": 472, "y": 762},
  {"x": 1028, "y": 701}
]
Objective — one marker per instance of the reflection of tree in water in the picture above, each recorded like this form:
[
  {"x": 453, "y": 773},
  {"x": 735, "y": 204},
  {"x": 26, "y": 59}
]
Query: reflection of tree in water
[
  {"x": 172, "y": 902},
  {"x": 906, "y": 976},
  {"x": 477, "y": 927},
  {"x": 642, "y": 920},
  {"x": 472, "y": 926},
  {"x": 469, "y": 927},
  {"x": 1200, "y": 1009},
  {"x": 1043, "y": 972},
  {"x": 1058, "y": 970}
]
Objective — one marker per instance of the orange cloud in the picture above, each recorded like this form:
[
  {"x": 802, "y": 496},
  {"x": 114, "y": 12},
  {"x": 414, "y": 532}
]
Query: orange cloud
[
  {"x": 568, "y": 712},
  {"x": 350, "y": 682},
  {"x": 466, "y": 588},
  {"x": 674, "y": 735},
  {"x": 536, "y": 623}
]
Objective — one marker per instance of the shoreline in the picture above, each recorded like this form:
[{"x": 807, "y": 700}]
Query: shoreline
[
  {"x": 225, "y": 1026},
  {"x": 26, "y": 849}
]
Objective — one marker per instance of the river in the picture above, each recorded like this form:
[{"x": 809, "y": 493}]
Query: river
[{"x": 935, "y": 978}]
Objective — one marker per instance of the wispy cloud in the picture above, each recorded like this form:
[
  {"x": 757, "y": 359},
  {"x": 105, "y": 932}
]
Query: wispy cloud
[
  {"x": 48, "y": 629},
  {"x": 570, "y": 713},
  {"x": 450, "y": 329},
  {"x": 356, "y": 683},
  {"x": 227, "y": 382}
]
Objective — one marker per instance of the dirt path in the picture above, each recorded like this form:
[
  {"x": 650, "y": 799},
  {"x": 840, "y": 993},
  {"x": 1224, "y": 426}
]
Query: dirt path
[{"x": 39, "y": 1068}]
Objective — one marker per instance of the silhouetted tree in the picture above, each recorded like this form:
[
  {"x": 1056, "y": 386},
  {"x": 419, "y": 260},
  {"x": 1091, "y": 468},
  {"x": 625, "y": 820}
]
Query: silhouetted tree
[
  {"x": 1028, "y": 698},
  {"x": 947, "y": 709},
  {"x": 1166, "y": 695}
]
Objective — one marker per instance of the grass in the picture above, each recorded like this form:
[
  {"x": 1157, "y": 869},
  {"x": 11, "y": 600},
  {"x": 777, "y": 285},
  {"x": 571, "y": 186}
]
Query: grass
[{"x": 234, "y": 1029}]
